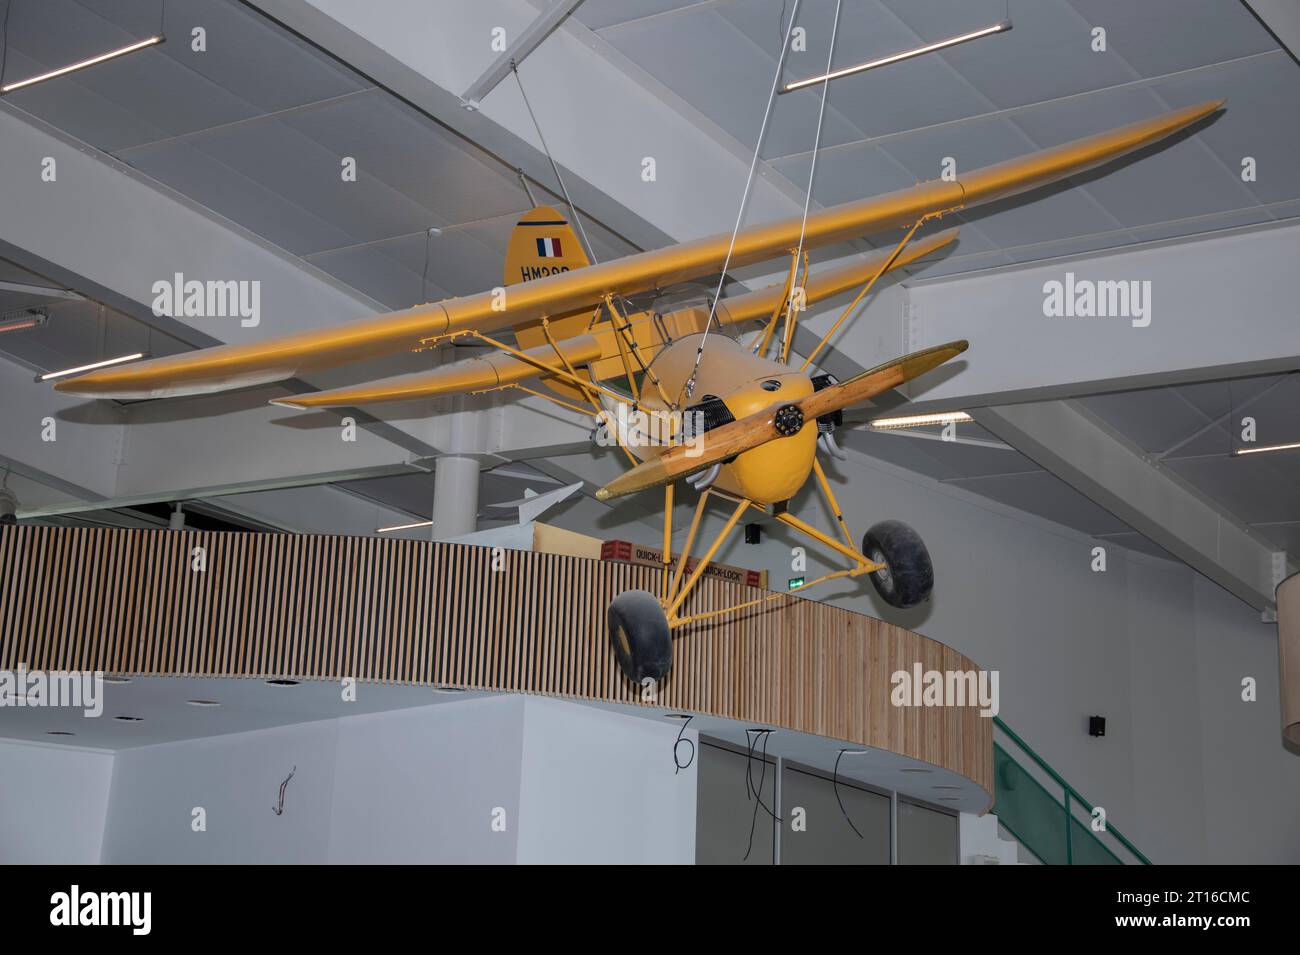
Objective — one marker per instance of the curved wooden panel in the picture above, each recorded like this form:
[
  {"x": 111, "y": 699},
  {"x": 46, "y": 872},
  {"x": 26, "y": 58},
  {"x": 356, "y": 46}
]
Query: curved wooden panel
[{"x": 401, "y": 611}]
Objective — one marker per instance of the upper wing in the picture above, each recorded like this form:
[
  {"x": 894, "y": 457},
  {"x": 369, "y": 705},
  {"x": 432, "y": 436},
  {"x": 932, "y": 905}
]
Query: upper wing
[
  {"x": 764, "y": 426},
  {"x": 232, "y": 366},
  {"x": 499, "y": 369}
]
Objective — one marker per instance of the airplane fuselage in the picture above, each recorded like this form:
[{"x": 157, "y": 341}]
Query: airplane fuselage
[{"x": 746, "y": 384}]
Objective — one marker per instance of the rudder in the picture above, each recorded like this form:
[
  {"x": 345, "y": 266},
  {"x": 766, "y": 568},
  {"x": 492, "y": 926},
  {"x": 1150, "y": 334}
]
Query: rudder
[{"x": 542, "y": 243}]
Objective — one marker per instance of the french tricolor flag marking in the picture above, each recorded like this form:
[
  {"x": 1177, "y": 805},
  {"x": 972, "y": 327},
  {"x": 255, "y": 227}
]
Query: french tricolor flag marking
[{"x": 549, "y": 248}]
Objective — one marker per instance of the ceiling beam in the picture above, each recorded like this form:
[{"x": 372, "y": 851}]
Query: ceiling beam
[
  {"x": 1282, "y": 19},
  {"x": 1215, "y": 309},
  {"x": 1070, "y": 442},
  {"x": 526, "y": 40}
]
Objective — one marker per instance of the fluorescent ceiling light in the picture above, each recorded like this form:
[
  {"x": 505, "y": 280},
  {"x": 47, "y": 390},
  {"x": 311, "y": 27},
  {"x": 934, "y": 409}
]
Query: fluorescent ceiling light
[
  {"x": 921, "y": 420},
  {"x": 1267, "y": 447},
  {"x": 403, "y": 527},
  {"x": 91, "y": 367},
  {"x": 897, "y": 57},
  {"x": 19, "y": 320},
  {"x": 73, "y": 67}
]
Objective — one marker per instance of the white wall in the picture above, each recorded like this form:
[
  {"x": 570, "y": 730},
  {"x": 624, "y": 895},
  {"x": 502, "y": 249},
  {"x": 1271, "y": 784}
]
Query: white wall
[
  {"x": 53, "y": 802},
  {"x": 602, "y": 787},
  {"x": 1186, "y": 771},
  {"x": 402, "y": 786},
  {"x": 576, "y": 784}
]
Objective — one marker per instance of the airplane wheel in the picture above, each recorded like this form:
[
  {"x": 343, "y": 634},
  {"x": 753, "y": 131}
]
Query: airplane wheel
[
  {"x": 638, "y": 629},
  {"x": 908, "y": 576}
]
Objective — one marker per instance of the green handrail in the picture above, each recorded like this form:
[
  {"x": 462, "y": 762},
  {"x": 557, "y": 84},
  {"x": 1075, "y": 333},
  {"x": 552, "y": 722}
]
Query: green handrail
[{"x": 1069, "y": 791}]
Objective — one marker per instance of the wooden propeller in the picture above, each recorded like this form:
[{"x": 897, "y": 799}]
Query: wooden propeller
[{"x": 779, "y": 420}]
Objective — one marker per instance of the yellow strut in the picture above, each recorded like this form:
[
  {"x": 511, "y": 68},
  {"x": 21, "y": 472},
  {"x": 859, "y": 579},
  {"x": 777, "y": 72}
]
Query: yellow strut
[
  {"x": 831, "y": 502},
  {"x": 770, "y": 328},
  {"x": 624, "y": 332},
  {"x": 704, "y": 561},
  {"x": 785, "y": 517},
  {"x": 690, "y": 542},
  {"x": 710, "y": 614},
  {"x": 546, "y": 330},
  {"x": 791, "y": 312},
  {"x": 532, "y": 391},
  {"x": 667, "y": 556},
  {"x": 885, "y": 267}
]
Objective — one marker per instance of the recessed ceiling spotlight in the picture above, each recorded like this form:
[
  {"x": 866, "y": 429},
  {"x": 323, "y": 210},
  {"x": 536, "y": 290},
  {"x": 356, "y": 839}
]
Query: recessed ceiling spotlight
[
  {"x": 203, "y": 702},
  {"x": 949, "y": 799},
  {"x": 918, "y": 770},
  {"x": 678, "y": 716},
  {"x": 115, "y": 680},
  {"x": 448, "y": 689},
  {"x": 281, "y": 681},
  {"x": 949, "y": 788},
  {"x": 59, "y": 733},
  {"x": 129, "y": 719}
]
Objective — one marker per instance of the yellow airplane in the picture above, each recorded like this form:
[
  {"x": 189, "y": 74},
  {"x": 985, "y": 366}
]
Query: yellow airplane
[{"x": 673, "y": 389}]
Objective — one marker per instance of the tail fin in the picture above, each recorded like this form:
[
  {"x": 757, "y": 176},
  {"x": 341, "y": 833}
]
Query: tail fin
[{"x": 543, "y": 243}]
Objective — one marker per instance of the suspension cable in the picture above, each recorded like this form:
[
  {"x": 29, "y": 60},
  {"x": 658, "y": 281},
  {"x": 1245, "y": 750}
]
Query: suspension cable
[
  {"x": 573, "y": 210},
  {"x": 812, "y": 171},
  {"x": 689, "y": 387}
]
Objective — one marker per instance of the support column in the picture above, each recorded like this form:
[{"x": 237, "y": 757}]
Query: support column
[{"x": 455, "y": 496}]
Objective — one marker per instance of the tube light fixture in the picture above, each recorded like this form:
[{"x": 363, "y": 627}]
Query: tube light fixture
[
  {"x": 403, "y": 527},
  {"x": 91, "y": 367},
  {"x": 897, "y": 57},
  {"x": 1267, "y": 447},
  {"x": 73, "y": 67},
  {"x": 921, "y": 420},
  {"x": 16, "y": 321}
]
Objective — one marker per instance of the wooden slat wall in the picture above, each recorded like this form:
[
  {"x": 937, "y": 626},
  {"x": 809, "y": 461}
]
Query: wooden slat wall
[{"x": 400, "y": 611}]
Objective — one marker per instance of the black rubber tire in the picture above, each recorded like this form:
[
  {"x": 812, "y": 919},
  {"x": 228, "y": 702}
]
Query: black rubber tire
[
  {"x": 908, "y": 577},
  {"x": 638, "y": 631}
]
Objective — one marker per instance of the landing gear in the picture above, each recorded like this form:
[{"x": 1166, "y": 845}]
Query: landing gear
[
  {"x": 908, "y": 576},
  {"x": 638, "y": 629}
]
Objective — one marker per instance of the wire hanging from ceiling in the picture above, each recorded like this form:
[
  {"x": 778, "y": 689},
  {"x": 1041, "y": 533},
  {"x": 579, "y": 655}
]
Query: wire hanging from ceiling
[
  {"x": 835, "y": 784},
  {"x": 681, "y": 738},
  {"x": 689, "y": 387},
  {"x": 817, "y": 142},
  {"x": 754, "y": 735},
  {"x": 573, "y": 210}
]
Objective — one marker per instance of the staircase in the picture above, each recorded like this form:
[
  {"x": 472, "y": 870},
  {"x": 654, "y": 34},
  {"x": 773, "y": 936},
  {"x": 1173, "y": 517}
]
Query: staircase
[{"x": 1042, "y": 812}]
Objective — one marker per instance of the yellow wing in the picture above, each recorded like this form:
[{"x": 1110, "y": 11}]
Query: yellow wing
[
  {"x": 497, "y": 370},
  {"x": 275, "y": 359}
]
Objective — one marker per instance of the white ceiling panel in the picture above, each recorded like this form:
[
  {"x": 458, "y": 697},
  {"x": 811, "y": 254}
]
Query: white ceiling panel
[
  {"x": 685, "y": 53},
  {"x": 1046, "y": 56},
  {"x": 423, "y": 162},
  {"x": 1047, "y": 496},
  {"x": 1262, "y": 119},
  {"x": 1285, "y": 535},
  {"x": 1156, "y": 37},
  {"x": 308, "y": 175},
  {"x": 1251, "y": 487},
  {"x": 1176, "y": 179},
  {"x": 1154, "y": 419},
  {"x": 595, "y": 14},
  {"x": 239, "y": 197}
]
